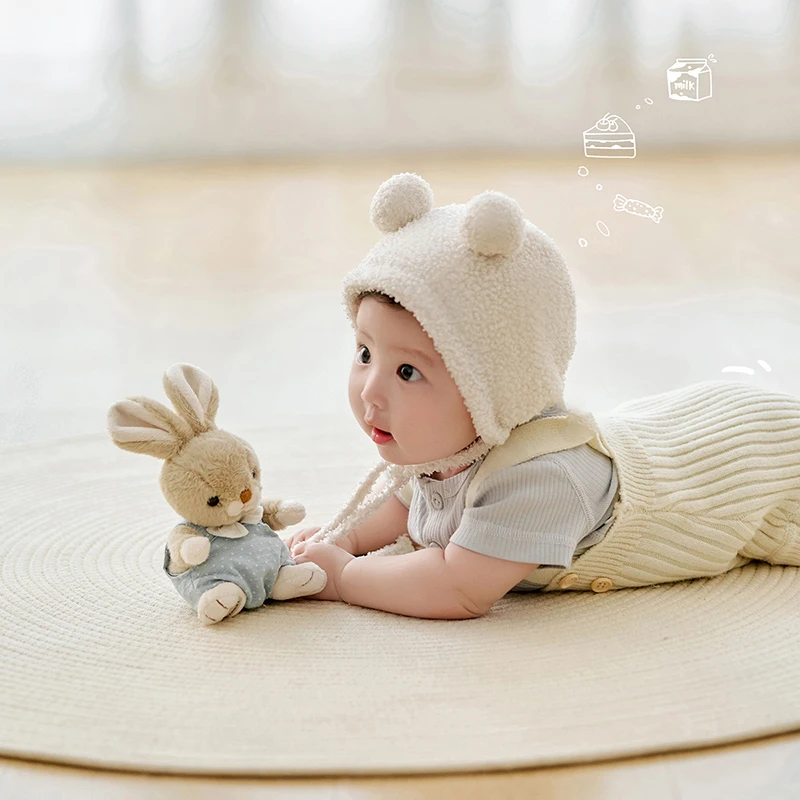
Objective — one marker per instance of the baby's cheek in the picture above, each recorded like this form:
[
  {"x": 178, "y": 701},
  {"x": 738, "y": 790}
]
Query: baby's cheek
[{"x": 354, "y": 394}]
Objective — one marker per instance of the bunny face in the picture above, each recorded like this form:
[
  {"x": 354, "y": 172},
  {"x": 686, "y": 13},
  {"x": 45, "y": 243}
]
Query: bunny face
[
  {"x": 210, "y": 477},
  {"x": 213, "y": 480}
]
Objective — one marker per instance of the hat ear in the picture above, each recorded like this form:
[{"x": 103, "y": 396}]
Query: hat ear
[
  {"x": 193, "y": 394},
  {"x": 494, "y": 224},
  {"x": 145, "y": 426},
  {"x": 400, "y": 200}
]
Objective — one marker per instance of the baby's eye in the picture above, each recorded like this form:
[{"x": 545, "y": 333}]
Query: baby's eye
[
  {"x": 213, "y": 501},
  {"x": 404, "y": 372},
  {"x": 359, "y": 350},
  {"x": 404, "y": 369}
]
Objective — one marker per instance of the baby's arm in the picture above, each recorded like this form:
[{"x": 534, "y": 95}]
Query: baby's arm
[
  {"x": 454, "y": 583},
  {"x": 388, "y": 523},
  {"x": 383, "y": 527}
]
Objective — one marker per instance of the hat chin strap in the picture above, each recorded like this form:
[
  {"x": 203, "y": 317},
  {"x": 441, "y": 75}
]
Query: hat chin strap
[{"x": 359, "y": 509}]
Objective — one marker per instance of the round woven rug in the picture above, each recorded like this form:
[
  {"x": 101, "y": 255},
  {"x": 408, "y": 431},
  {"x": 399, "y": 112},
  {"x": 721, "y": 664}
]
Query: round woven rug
[{"x": 104, "y": 665}]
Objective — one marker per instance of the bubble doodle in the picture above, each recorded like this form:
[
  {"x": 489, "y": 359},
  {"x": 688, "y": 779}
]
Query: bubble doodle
[
  {"x": 648, "y": 101},
  {"x": 599, "y": 187},
  {"x": 603, "y": 228},
  {"x": 583, "y": 172},
  {"x": 582, "y": 242}
]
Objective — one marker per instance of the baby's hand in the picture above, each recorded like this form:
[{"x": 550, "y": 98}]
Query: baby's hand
[
  {"x": 332, "y": 559},
  {"x": 297, "y": 542},
  {"x": 299, "y": 536}
]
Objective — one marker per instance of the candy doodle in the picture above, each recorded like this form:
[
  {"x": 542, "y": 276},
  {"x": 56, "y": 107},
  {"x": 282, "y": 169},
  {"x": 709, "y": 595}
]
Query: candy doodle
[{"x": 637, "y": 207}]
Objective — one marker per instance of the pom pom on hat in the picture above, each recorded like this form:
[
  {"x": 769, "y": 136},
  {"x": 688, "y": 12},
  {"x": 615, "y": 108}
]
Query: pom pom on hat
[
  {"x": 494, "y": 224},
  {"x": 400, "y": 200}
]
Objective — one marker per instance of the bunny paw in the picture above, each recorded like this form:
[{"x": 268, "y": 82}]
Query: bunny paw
[
  {"x": 290, "y": 512},
  {"x": 223, "y": 600},
  {"x": 195, "y": 549}
]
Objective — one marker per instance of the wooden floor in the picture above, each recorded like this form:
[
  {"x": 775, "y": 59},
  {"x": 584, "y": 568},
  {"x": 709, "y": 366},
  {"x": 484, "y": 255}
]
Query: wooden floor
[
  {"x": 111, "y": 274},
  {"x": 767, "y": 769}
]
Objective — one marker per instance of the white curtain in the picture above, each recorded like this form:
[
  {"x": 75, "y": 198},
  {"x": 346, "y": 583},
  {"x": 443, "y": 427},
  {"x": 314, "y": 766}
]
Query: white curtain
[{"x": 145, "y": 78}]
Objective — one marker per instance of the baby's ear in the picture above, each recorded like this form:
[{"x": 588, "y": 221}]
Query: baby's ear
[
  {"x": 193, "y": 394},
  {"x": 145, "y": 426}
]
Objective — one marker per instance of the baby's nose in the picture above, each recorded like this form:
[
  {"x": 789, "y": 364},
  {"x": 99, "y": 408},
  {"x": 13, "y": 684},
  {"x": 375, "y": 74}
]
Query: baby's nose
[{"x": 245, "y": 495}]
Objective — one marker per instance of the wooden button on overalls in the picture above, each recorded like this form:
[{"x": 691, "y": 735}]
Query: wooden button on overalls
[{"x": 570, "y": 579}]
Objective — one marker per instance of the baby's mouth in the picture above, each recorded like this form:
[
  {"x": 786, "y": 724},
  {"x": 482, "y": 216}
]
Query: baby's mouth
[{"x": 381, "y": 437}]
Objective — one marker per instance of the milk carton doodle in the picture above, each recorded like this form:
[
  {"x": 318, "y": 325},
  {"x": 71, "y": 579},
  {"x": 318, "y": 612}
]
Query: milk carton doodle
[
  {"x": 610, "y": 137},
  {"x": 689, "y": 79}
]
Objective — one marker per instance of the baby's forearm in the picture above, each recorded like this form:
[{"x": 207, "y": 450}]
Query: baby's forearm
[{"x": 415, "y": 585}]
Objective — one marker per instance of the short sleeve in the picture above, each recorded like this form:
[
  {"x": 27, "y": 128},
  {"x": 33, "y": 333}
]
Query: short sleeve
[{"x": 531, "y": 512}]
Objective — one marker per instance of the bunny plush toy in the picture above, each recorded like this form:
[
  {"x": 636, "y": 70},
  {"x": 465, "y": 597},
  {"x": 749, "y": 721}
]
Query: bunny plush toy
[{"x": 225, "y": 554}]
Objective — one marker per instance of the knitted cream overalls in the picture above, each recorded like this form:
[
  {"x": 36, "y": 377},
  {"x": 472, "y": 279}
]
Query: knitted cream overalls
[{"x": 709, "y": 480}]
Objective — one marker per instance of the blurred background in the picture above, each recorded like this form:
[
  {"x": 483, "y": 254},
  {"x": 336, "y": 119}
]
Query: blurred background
[
  {"x": 189, "y": 181},
  {"x": 144, "y": 79}
]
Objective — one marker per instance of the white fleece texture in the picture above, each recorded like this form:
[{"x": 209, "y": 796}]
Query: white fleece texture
[
  {"x": 493, "y": 293},
  {"x": 503, "y": 324}
]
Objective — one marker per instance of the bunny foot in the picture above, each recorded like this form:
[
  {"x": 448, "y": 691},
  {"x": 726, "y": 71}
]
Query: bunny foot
[
  {"x": 223, "y": 600},
  {"x": 299, "y": 580}
]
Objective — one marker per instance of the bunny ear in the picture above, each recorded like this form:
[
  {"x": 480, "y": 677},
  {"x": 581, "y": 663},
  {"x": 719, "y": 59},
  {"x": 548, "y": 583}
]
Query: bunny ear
[
  {"x": 193, "y": 394},
  {"x": 145, "y": 426}
]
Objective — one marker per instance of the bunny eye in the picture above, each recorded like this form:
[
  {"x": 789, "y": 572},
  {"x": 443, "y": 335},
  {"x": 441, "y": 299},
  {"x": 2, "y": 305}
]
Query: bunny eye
[
  {"x": 213, "y": 501},
  {"x": 254, "y": 473}
]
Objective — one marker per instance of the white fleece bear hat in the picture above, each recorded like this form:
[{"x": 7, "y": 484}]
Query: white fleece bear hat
[{"x": 493, "y": 293}]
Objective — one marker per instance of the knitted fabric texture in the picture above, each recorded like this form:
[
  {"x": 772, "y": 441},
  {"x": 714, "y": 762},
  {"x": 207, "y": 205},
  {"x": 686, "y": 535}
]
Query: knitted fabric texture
[
  {"x": 493, "y": 293},
  {"x": 709, "y": 480}
]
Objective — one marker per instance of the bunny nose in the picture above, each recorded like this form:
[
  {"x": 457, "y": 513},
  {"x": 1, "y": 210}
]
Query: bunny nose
[{"x": 245, "y": 495}]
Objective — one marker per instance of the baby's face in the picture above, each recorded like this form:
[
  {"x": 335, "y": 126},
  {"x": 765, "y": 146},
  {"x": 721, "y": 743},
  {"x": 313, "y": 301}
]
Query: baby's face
[{"x": 410, "y": 395}]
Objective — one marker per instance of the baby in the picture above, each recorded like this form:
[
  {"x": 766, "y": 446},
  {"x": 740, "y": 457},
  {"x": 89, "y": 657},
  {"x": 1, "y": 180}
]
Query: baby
[{"x": 464, "y": 318}]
